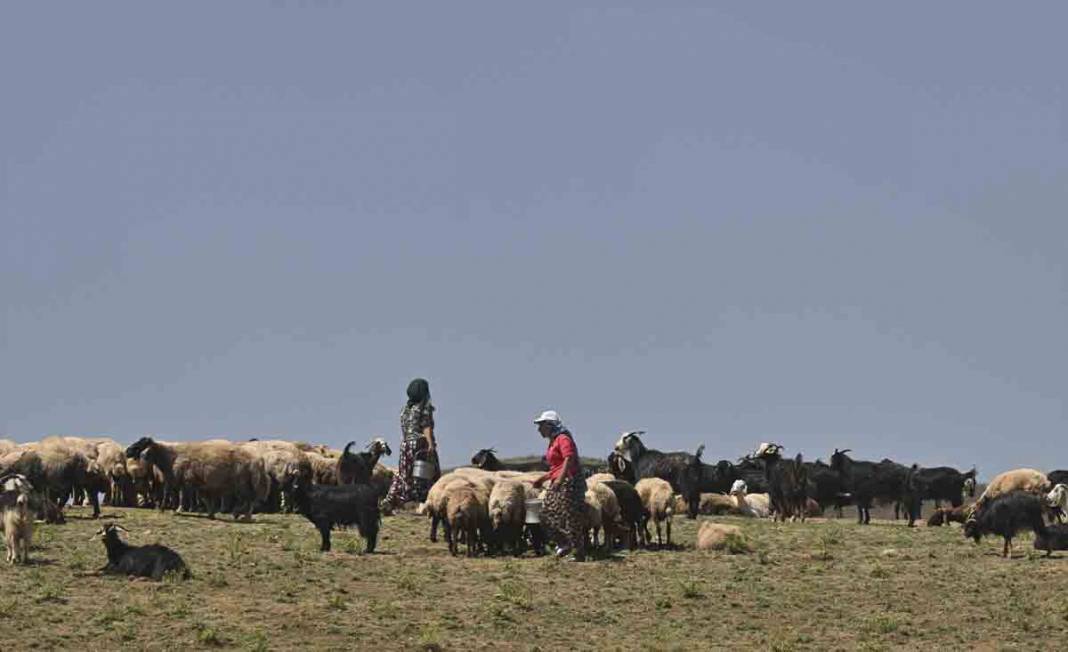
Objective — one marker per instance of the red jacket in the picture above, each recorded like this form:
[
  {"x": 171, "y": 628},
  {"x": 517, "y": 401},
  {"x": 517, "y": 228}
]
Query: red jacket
[{"x": 562, "y": 448}]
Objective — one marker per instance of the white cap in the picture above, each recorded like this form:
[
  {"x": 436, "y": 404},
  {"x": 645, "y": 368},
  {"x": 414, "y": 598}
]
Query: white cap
[{"x": 548, "y": 415}]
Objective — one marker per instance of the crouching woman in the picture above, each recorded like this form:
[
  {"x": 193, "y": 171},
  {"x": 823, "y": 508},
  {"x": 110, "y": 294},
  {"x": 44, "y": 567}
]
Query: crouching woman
[{"x": 564, "y": 510}]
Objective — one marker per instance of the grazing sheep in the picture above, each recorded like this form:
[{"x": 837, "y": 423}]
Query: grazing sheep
[
  {"x": 152, "y": 561},
  {"x": 717, "y": 536},
  {"x": 1055, "y": 538},
  {"x": 357, "y": 468},
  {"x": 214, "y": 470},
  {"x": 324, "y": 467},
  {"x": 1006, "y": 515},
  {"x": 658, "y": 504},
  {"x": 603, "y": 512},
  {"x": 747, "y": 504},
  {"x": 329, "y": 505},
  {"x": 465, "y": 513},
  {"x": 16, "y": 521},
  {"x": 1029, "y": 480},
  {"x": 285, "y": 465},
  {"x": 507, "y": 512}
]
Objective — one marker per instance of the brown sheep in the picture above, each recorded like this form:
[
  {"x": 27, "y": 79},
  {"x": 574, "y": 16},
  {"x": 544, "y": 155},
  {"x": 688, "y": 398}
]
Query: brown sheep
[
  {"x": 1028, "y": 480},
  {"x": 717, "y": 536},
  {"x": 465, "y": 513}
]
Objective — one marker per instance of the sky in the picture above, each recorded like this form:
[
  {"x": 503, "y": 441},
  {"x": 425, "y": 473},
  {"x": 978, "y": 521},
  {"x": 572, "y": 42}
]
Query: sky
[{"x": 824, "y": 224}]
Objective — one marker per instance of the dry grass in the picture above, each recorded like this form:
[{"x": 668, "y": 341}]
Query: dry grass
[{"x": 264, "y": 585}]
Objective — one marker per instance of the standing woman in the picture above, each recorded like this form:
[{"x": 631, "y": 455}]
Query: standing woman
[
  {"x": 417, "y": 435},
  {"x": 564, "y": 511}
]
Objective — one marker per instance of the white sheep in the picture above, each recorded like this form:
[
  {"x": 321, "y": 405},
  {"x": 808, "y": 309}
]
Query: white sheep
[
  {"x": 602, "y": 509},
  {"x": 755, "y": 505},
  {"x": 1029, "y": 480},
  {"x": 507, "y": 512},
  {"x": 658, "y": 501}
]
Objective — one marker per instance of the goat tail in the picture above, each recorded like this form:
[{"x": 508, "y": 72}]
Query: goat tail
[
  {"x": 347, "y": 447},
  {"x": 700, "y": 452}
]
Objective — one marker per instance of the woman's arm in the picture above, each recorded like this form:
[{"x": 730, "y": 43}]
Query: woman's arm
[{"x": 428, "y": 435}]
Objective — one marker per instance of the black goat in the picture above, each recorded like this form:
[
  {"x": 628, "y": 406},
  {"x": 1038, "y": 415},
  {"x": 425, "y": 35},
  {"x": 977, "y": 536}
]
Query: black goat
[
  {"x": 153, "y": 560},
  {"x": 826, "y": 487},
  {"x": 787, "y": 482},
  {"x": 676, "y": 468},
  {"x": 1006, "y": 515},
  {"x": 720, "y": 477},
  {"x": 868, "y": 482},
  {"x": 486, "y": 459},
  {"x": 328, "y": 505},
  {"x": 357, "y": 468},
  {"x": 1055, "y": 538},
  {"x": 936, "y": 483},
  {"x": 1057, "y": 477}
]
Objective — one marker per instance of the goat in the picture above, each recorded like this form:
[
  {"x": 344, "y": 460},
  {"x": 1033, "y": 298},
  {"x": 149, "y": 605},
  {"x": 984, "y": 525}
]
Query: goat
[
  {"x": 676, "y": 468},
  {"x": 787, "y": 482},
  {"x": 631, "y": 511},
  {"x": 826, "y": 487},
  {"x": 1058, "y": 501},
  {"x": 486, "y": 459},
  {"x": 1055, "y": 538},
  {"x": 16, "y": 522},
  {"x": 357, "y": 468},
  {"x": 329, "y": 505},
  {"x": 1006, "y": 515},
  {"x": 152, "y": 561},
  {"x": 1059, "y": 476},
  {"x": 936, "y": 483},
  {"x": 868, "y": 482}
]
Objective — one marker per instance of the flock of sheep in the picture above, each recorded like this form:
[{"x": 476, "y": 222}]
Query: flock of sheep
[{"x": 490, "y": 507}]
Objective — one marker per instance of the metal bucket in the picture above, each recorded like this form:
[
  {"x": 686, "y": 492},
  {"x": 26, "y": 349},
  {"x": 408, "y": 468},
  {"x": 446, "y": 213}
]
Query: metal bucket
[
  {"x": 534, "y": 510},
  {"x": 423, "y": 470}
]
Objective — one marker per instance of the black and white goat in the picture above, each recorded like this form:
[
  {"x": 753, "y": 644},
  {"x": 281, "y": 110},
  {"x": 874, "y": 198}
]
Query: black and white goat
[
  {"x": 633, "y": 461},
  {"x": 787, "y": 482},
  {"x": 357, "y": 468},
  {"x": 153, "y": 561}
]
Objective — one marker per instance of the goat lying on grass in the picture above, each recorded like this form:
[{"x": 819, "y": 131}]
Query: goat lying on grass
[
  {"x": 352, "y": 504},
  {"x": 152, "y": 561}
]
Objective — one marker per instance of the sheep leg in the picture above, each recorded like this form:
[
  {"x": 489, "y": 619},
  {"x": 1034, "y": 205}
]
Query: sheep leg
[
  {"x": 1006, "y": 551},
  {"x": 95, "y": 502},
  {"x": 659, "y": 539},
  {"x": 434, "y": 528},
  {"x": 669, "y": 532}
]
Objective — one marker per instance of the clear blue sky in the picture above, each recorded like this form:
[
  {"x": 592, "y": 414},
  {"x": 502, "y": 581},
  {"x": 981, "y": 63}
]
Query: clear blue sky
[{"x": 827, "y": 224}]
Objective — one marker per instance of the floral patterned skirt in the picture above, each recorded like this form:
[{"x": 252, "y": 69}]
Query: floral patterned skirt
[{"x": 564, "y": 513}]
